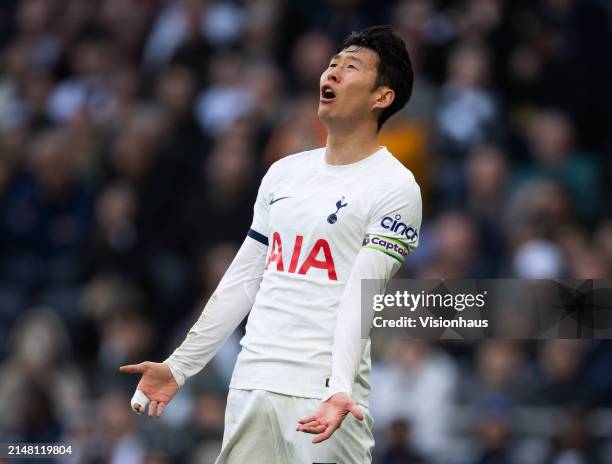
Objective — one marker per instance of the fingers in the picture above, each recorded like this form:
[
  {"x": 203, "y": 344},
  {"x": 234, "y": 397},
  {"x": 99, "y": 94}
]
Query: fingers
[
  {"x": 356, "y": 412},
  {"x": 312, "y": 427},
  {"x": 139, "y": 402},
  {"x": 133, "y": 368},
  {"x": 153, "y": 408},
  {"x": 309, "y": 424},
  {"x": 160, "y": 409},
  {"x": 307, "y": 419},
  {"x": 326, "y": 434},
  {"x": 156, "y": 408}
]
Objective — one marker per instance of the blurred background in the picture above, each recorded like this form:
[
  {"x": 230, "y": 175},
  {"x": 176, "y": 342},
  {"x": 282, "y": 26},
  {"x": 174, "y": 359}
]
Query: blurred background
[{"x": 133, "y": 136}]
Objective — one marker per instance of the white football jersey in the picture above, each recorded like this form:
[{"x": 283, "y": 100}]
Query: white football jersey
[{"x": 315, "y": 218}]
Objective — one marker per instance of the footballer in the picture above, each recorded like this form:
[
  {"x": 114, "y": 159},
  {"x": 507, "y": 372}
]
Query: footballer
[{"x": 323, "y": 220}]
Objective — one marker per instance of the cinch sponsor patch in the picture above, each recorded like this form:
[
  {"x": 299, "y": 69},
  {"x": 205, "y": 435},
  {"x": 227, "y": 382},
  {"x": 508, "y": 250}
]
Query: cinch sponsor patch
[
  {"x": 387, "y": 245},
  {"x": 394, "y": 224}
]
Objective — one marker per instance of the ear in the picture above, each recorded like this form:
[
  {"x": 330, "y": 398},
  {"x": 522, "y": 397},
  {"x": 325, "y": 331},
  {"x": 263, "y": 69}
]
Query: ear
[{"x": 384, "y": 96}]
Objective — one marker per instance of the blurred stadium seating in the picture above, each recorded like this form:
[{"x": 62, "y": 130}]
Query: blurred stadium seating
[{"x": 134, "y": 133}]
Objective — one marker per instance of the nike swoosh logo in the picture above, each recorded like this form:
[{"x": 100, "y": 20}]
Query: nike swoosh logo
[{"x": 274, "y": 200}]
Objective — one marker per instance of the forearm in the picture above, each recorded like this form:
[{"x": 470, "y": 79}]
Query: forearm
[
  {"x": 348, "y": 345},
  {"x": 226, "y": 308}
]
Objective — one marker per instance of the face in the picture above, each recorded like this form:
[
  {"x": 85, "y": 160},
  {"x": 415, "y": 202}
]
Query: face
[{"x": 347, "y": 93}]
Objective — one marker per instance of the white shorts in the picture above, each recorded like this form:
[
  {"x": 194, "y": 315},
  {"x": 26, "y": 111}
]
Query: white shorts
[{"x": 260, "y": 428}]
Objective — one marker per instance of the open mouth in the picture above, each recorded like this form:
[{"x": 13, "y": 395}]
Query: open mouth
[{"x": 327, "y": 94}]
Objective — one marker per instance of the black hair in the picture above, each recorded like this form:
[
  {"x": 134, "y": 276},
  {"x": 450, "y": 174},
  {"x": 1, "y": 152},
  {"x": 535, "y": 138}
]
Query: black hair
[{"x": 394, "y": 66}]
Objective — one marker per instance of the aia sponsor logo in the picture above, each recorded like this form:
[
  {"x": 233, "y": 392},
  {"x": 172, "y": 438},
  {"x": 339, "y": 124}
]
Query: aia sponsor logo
[{"x": 319, "y": 257}]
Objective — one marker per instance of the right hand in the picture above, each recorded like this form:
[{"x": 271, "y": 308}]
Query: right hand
[{"x": 157, "y": 384}]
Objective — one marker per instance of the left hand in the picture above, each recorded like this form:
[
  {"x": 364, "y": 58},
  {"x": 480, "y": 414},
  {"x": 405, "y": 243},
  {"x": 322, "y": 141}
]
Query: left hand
[{"x": 329, "y": 416}]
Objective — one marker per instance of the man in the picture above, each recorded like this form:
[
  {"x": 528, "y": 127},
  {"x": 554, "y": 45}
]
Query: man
[{"x": 324, "y": 220}]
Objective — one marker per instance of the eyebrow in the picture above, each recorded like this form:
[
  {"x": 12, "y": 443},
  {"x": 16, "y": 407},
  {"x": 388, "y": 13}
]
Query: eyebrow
[{"x": 348, "y": 57}]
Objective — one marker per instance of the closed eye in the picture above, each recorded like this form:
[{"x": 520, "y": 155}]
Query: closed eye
[
  {"x": 332, "y": 65},
  {"x": 351, "y": 66}
]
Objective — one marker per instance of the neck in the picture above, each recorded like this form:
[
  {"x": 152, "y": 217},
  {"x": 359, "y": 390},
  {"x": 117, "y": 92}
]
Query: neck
[{"x": 350, "y": 146}]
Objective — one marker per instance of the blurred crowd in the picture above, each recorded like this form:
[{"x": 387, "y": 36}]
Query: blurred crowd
[{"x": 134, "y": 133}]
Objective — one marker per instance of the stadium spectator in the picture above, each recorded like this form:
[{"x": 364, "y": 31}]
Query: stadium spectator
[{"x": 133, "y": 134}]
